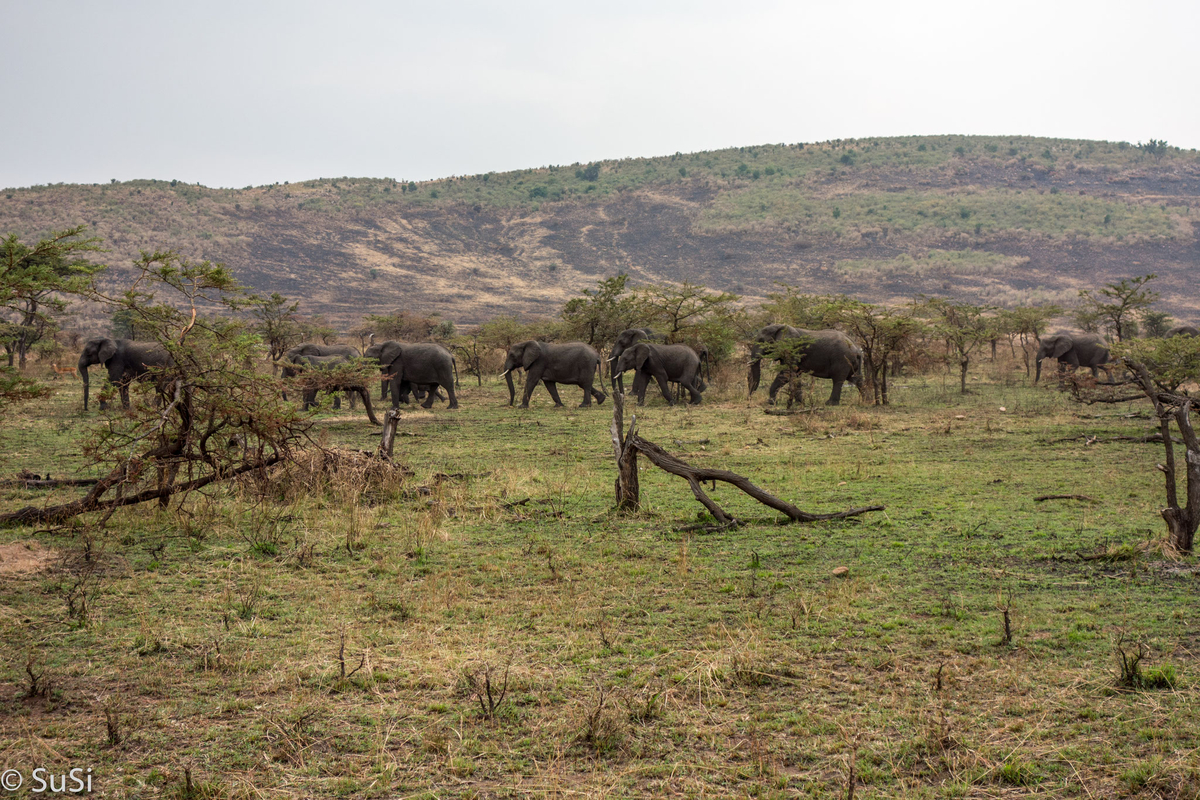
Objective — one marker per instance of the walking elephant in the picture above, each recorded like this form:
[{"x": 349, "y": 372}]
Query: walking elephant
[
  {"x": 125, "y": 360},
  {"x": 358, "y": 387},
  {"x": 296, "y": 354},
  {"x": 626, "y": 339},
  {"x": 675, "y": 363},
  {"x": 1074, "y": 350},
  {"x": 574, "y": 362},
  {"x": 825, "y": 354},
  {"x": 412, "y": 366}
]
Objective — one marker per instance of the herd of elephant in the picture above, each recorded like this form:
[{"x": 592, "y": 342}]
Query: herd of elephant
[{"x": 425, "y": 369}]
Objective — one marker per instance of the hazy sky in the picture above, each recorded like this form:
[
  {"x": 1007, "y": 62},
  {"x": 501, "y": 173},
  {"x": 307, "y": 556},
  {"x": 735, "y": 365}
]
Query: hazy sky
[{"x": 241, "y": 93}]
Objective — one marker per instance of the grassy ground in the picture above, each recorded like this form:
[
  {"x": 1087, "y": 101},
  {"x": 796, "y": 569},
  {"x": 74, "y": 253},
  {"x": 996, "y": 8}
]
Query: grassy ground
[{"x": 336, "y": 641}]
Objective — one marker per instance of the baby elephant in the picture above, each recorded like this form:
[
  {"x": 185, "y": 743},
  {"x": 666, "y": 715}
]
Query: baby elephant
[{"x": 676, "y": 363}]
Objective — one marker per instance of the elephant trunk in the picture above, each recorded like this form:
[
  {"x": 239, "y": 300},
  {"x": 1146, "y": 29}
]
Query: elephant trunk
[
  {"x": 755, "y": 374},
  {"x": 509, "y": 366},
  {"x": 82, "y": 368},
  {"x": 1038, "y": 372}
]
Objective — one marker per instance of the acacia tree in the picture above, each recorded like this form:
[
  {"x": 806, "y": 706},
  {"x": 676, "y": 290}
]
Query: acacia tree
[
  {"x": 962, "y": 326},
  {"x": 601, "y": 313},
  {"x": 217, "y": 417},
  {"x": 880, "y": 332},
  {"x": 277, "y": 323},
  {"x": 1161, "y": 367},
  {"x": 694, "y": 315},
  {"x": 35, "y": 282},
  {"x": 1118, "y": 305},
  {"x": 794, "y": 307},
  {"x": 1025, "y": 325}
]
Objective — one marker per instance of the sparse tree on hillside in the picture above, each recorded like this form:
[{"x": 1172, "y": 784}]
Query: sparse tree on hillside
[
  {"x": 880, "y": 332},
  {"x": 218, "y": 417},
  {"x": 1118, "y": 305},
  {"x": 1025, "y": 325},
  {"x": 963, "y": 327},
  {"x": 277, "y": 323},
  {"x": 35, "y": 282},
  {"x": 1156, "y": 323},
  {"x": 694, "y": 315},
  {"x": 806, "y": 311},
  {"x": 1160, "y": 367},
  {"x": 601, "y": 313}
]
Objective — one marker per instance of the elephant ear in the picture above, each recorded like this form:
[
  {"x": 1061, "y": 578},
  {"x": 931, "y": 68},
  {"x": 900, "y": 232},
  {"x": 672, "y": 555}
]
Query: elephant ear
[
  {"x": 107, "y": 350},
  {"x": 389, "y": 353},
  {"x": 774, "y": 332},
  {"x": 1061, "y": 345},
  {"x": 644, "y": 354},
  {"x": 530, "y": 354}
]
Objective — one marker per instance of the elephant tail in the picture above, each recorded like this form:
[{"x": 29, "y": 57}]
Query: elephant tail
[{"x": 454, "y": 363}]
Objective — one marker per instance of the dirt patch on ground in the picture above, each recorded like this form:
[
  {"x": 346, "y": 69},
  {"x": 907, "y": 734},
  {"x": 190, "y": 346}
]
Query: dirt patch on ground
[{"x": 24, "y": 558}]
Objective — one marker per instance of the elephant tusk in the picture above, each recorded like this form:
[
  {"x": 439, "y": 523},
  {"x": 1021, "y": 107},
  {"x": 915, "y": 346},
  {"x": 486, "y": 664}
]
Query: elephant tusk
[
  {"x": 614, "y": 358},
  {"x": 502, "y": 374}
]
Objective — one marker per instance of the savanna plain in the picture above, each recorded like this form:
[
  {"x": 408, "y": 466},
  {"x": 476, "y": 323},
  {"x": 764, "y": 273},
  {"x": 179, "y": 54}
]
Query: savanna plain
[{"x": 485, "y": 624}]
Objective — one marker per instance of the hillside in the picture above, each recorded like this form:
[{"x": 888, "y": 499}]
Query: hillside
[{"x": 999, "y": 219}]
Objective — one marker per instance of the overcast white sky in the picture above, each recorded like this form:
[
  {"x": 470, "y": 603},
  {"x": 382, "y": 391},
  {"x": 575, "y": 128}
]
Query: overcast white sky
[{"x": 240, "y": 93}]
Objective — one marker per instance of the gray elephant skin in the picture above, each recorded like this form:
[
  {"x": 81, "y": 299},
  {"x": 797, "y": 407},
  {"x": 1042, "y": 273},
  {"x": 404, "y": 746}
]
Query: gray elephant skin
[
  {"x": 676, "y": 363},
  {"x": 1182, "y": 330},
  {"x": 574, "y": 363},
  {"x": 297, "y": 354},
  {"x": 302, "y": 364},
  {"x": 425, "y": 365},
  {"x": 125, "y": 360},
  {"x": 827, "y": 354},
  {"x": 626, "y": 339},
  {"x": 1073, "y": 350}
]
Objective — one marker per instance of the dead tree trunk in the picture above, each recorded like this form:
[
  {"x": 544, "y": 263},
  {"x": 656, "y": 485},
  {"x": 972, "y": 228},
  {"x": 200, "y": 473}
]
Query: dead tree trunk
[
  {"x": 1182, "y": 522},
  {"x": 628, "y": 493},
  {"x": 387, "y": 439},
  {"x": 628, "y": 446}
]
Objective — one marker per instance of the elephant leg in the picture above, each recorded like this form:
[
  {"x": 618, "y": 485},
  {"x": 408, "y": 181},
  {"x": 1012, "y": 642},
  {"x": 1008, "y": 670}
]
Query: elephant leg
[
  {"x": 694, "y": 392},
  {"x": 596, "y": 393},
  {"x": 552, "y": 388},
  {"x": 532, "y": 378},
  {"x": 337, "y": 401},
  {"x": 784, "y": 377},
  {"x": 310, "y": 398},
  {"x": 430, "y": 395},
  {"x": 665, "y": 387},
  {"x": 836, "y": 397},
  {"x": 353, "y": 399},
  {"x": 384, "y": 387},
  {"x": 123, "y": 388},
  {"x": 640, "y": 381},
  {"x": 450, "y": 395},
  {"x": 362, "y": 392}
]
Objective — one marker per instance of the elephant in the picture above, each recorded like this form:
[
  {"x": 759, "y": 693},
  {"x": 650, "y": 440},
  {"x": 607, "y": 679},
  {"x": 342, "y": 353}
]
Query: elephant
[
  {"x": 664, "y": 362},
  {"x": 306, "y": 363},
  {"x": 574, "y": 362},
  {"x": 1074, "y": 349},
  {"x": 416, "y": 365},
  {"x": 626, "y": 339},
  {"x": 125, "y": 360},
  {"x": 826, "y": 354},
  {"x": 1182, "y": 330},
  {"x": 295, "y": 355}
]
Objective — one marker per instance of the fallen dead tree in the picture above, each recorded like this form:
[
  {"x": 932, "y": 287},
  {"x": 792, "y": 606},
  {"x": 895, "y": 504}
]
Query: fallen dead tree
[
  {"x": 627, "y": 446},
  {"x": 93, "y": 501}
]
